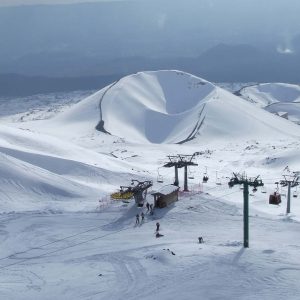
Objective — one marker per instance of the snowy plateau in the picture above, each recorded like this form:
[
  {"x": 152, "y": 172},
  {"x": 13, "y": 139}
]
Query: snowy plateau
[{"x": 63, "y": 237}]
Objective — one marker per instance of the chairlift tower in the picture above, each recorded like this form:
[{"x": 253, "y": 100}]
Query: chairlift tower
[
  {"x": 181, "y": 161},
  {"x": 290, "y": 181},
  {"x": 241, "y": 179},
  {"x": 138, "y": 189}
]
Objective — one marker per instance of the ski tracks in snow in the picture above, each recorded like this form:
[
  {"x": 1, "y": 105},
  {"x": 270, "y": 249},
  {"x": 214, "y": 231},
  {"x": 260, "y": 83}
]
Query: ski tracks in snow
[{"x": 130, "y": 275}]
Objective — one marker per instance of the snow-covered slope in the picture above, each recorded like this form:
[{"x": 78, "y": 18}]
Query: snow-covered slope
[
  {"x": 269, "y": 93},
  {"x": 41, "y": 172},
  {"x": 279, "y": 98},
  {"x": 167, "y": 107},
  {"x": 59, "y": 242},
  {"x": 290, "y": 110}
]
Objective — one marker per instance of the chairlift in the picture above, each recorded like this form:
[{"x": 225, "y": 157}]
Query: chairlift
[
  {"x": 218, "y": 180},
  {"x": 254, "y": 189},
  {"x": 295, "y": 193},
  {"x": 263, "y": 190},
  {"x": 191, "y": 176},
  {"x": 283, "y": 192},
  {"x": 205, "y": 176},
  {"x": 160, "y": 178},
  {"x": 275, "y": 199}
]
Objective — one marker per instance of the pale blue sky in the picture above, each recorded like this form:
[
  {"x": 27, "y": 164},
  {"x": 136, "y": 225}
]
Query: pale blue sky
[{"x": 30, "y": 2}]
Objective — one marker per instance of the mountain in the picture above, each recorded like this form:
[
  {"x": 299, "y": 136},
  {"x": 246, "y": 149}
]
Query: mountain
[
  {"x": 169, "y": 107},
  {"x": 276, "y": 98}
]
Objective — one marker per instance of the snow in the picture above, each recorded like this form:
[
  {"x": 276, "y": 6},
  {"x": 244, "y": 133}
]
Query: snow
[
  {"x": 276, "y": 98},
  {"x": 269, "y": 93},
  {"x": 167, "y": 189},
  {"x": 62, "y": 237}
]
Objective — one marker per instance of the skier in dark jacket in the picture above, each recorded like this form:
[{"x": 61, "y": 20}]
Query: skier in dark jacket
[
  {"x": 157, "y": 226},
  {"x": 137, "y": 221},
  {"x": 143, "y": 216},
  {"x": 148, "y": 206},
  {"x": 151, "y": 209}
]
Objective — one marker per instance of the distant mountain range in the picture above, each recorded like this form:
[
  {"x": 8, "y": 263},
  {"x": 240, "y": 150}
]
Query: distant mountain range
[
  {"x": 222, "y": 63},
  {"x": 79, "y": 46}
]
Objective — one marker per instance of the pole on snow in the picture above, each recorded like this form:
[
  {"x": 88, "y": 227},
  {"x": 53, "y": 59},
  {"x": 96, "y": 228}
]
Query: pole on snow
[
  {"x": 238, "y": 179},
  {"x": 246, "y": 215},
  {"x": 292, "y": 182}
]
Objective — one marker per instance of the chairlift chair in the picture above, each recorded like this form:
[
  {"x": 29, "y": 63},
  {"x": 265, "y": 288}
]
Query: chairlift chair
[
  {"x": 295, "y": 193},
  {"x": 160, "y": 178},
  {"x": 218, "y": 180},
  {"x": 263, "y": 190},
  {"x": 191, "y": 176},
  {"x": 205, "y": 176}
]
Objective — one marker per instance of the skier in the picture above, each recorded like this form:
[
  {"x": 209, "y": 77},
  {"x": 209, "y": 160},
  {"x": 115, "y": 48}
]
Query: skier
[
  {"x": 137, "y": 221},
  {"x": 143, "y": 216},
  {"x": 148, "y": 206},
  {"x": 157, "y": 226},
  {"x": 151, "y": 209}
]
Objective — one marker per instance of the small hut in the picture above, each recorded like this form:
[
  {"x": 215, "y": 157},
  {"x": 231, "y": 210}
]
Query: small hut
[{"x": 165, "y": 196}]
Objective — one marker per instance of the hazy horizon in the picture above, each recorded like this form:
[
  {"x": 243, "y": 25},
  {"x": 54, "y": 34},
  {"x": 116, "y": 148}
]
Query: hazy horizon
[
  {"x": 6, "y": 3},
  {"x": 233, "y": 40}
]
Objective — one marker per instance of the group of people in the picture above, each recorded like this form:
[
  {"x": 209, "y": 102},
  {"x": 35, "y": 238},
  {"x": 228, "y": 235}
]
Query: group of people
[
  {"x": 137, "y": 221},
  {"x": 142, "y": 217},
  {"x": 149, "y": 208}
]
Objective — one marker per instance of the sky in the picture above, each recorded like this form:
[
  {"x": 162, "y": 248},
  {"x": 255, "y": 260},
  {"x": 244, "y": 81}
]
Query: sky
[
  {"x": 31, "y": 2},
  {"x": 60, "y": 40}
]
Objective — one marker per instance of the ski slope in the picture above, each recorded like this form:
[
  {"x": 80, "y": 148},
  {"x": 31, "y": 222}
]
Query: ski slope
[{"x": 62, "y": 237}]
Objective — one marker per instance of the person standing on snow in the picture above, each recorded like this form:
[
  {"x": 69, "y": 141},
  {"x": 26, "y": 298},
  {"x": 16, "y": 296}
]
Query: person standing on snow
[
  {"x": 143, "y": 216},
  {"x": 137, "y": 221},
  {"x": 157, "y": 226},
  {"x": 151, "y": 209},
  {"x": 148, "y": 206}
]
